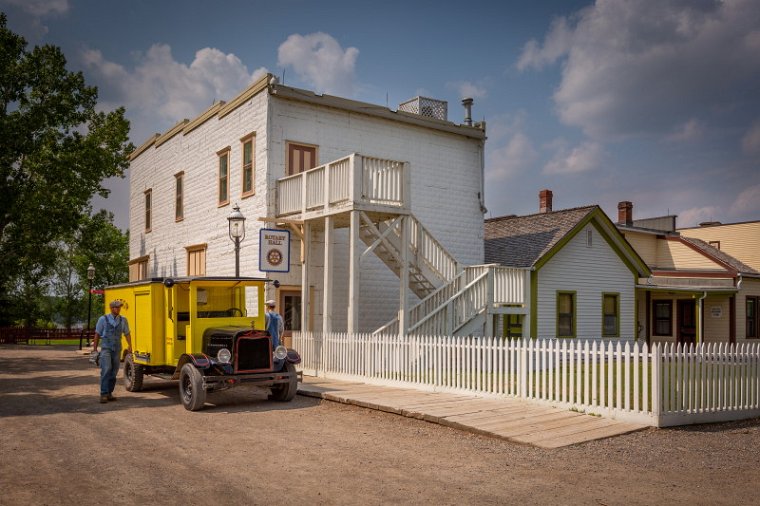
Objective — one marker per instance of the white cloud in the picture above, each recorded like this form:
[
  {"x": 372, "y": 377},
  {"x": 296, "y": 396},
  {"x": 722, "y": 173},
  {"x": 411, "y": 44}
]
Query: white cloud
[
  {"x": 696, "y": 215},
  {"x": 320, "y": 61},
  {"x": 556, "y": 44},
  {"x": 40, "y": 7},
  {"x": 582, "y": 158},
  {"x": 747, "y": 202},
  {"x": 645, "y": 67},
  {"x": 751, "y": 140},
  {"x": 516, "y": 155},
  {"x": 160, "y": 91},
  {"x": 468, "y": 89},
  {"x": 689, "y": 131}
]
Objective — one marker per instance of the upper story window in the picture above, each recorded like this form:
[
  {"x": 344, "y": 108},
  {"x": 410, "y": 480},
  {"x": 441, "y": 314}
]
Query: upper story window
[
  {"x": 138, "y": 268},
  {"x": 248, "y": 164},
  {"x": 179, "y": 190},
  {"x": 148, "y": 209},
  {"x": 300, "y": 157},
  {"x": 224, "y": 177},
  {"x": 196, "y": 260}
]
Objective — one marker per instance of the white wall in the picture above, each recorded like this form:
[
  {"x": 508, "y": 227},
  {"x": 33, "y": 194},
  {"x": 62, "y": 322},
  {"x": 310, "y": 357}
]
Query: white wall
[
  {"x": 445, "y": 181},
  {"x": 589, "y": 272}
]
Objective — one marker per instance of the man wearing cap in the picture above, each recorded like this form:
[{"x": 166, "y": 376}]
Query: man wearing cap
[
  {"x": 274, "y": 323},
  {"x": 109, "y": 329}
]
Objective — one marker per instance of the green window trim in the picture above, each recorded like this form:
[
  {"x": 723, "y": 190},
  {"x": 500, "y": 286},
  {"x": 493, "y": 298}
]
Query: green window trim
[
  {"x": 573, "y": 314},
  {"x": 616, "y": 295}
]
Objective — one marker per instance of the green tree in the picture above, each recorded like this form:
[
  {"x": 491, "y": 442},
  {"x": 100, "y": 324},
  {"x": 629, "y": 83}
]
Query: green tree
[{"x": 56, "y": 149}]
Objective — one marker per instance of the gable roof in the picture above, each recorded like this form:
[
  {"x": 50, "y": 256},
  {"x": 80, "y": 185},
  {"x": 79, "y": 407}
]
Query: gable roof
[
  {"x": 529, "y": 241},
  {"x": 720, "y": 256},
  {"x": 520, "y": 241}
]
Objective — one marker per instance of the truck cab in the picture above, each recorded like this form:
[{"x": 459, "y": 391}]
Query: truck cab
[{"x": 206, "y": 332}]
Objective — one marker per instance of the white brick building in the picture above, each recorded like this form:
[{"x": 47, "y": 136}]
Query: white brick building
[{"x": 415, "y": 177}]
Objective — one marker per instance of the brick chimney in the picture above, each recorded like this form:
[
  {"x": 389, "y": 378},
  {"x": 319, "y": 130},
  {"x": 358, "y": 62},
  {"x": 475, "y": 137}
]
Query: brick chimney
[
  {"x": 625, "y": 213},
  {"x": 545, "y": 201}
]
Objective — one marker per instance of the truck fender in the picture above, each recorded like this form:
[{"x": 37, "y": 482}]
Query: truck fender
[
  {"x": 293, "y": 357},
  {"x": 199, "y": 360}
]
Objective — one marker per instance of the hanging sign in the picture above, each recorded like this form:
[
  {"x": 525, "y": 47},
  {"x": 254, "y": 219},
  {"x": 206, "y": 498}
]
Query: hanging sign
[{"x": 274, "y": 250}]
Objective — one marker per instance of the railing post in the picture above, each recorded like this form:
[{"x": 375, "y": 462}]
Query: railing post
[
  {"x": 406, "y": 190},
  {"x": 355, "y": 178},
  {"x": 326, "y": 184},
  {"x": 489, "y": 302},
  {"x": 303, "y": 194}
]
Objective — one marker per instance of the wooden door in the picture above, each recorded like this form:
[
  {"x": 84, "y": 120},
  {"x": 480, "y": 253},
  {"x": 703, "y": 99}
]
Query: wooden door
[
  {"x": 290, "y": 309},
  {"x": 687, "y": 321}
]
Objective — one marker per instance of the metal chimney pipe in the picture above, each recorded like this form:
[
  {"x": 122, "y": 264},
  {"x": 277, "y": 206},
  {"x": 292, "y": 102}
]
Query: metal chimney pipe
[{"x": 467, "y": 103}]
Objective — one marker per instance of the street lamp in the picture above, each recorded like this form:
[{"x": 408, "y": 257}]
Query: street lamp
[
  {"x": 90, "y": 277},
  {"x": 237, "y": 234}
]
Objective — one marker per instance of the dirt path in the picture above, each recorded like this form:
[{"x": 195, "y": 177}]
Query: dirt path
[{"x": 59, "y": 446}]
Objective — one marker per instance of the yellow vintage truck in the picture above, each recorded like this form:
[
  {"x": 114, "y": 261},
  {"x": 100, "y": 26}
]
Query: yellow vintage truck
[{"x": 207, "y": 332}]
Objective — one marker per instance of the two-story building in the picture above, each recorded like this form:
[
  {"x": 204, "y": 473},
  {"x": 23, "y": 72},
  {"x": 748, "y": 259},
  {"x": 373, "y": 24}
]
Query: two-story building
[{"x": 385, "y": 207}]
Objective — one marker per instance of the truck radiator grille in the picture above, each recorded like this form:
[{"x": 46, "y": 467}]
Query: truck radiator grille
[{"x": 253, "y": 354}]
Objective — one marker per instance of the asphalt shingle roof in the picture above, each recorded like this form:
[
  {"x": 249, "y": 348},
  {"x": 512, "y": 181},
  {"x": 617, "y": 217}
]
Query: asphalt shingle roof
[
  {"x": 723, "y": 257},
  {"x": 520, "y": 241}
]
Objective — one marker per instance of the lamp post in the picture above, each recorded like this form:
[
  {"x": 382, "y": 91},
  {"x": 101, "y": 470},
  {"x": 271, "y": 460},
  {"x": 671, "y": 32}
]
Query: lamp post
[
  {"x": 90, "y": 277},
  {"x": 237, "y": 234}
]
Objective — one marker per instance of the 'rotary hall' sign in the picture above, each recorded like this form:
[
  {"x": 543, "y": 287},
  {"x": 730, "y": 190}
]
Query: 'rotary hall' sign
[{"x": 274, "y": 250}]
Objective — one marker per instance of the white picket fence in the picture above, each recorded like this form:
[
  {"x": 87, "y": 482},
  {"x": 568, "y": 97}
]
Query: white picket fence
[{"x": 663, "y": 385}]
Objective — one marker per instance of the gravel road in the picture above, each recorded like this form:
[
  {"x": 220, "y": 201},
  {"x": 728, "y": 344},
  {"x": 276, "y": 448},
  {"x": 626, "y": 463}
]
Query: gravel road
[{"x": 58, "y": 445}]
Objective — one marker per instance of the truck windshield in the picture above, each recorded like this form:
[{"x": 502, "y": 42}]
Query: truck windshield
[{"x": 221, "y": 302}]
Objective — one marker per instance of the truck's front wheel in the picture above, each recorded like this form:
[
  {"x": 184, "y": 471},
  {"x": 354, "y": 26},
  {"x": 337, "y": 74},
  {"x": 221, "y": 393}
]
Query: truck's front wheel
[
  {"x": 133, "y": 374},
  {"x": 191, "y": 392},
  {"x": 286, "y": 392}
]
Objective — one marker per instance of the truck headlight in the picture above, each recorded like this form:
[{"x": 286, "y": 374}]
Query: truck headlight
[
  {"x": 224, "y": 356},
  {"x": 280, "y": 352}
]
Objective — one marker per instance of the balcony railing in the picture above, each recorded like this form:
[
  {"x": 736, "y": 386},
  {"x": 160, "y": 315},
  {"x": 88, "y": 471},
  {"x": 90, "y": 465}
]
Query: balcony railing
[{"x": 355, "y": 180}]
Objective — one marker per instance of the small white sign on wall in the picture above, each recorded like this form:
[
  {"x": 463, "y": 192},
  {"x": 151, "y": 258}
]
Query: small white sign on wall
[
  {"x": 274, "y": 250},
  {"x": 716, "y": 311}
]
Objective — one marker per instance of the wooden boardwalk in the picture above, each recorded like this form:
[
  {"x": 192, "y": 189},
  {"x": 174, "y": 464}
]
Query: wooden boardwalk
[{"x": 512, "y": 419}]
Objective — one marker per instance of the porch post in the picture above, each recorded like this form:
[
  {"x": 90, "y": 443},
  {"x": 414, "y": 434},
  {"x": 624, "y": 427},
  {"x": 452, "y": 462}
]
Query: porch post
[
  {"x": 328, "y": 277},
  {"x": 354, "y": 266},
  {"x": 403, "y": 314},
  {"x": 305, "y": 266},
  {"x": 732, "y": 319},
  {"x": 648, "y": 316}
]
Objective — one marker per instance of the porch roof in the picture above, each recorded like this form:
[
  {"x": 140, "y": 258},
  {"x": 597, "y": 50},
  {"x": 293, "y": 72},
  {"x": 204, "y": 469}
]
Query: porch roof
[{"x": 689, "y": 289}]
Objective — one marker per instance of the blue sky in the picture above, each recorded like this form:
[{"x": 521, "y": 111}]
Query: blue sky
[{"x": 653, "y": 101}]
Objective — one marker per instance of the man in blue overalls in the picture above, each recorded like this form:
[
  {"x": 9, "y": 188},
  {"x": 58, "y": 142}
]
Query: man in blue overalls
[
  {"x": 274, "y": 324},
  {"x": 108, "y": 331}
]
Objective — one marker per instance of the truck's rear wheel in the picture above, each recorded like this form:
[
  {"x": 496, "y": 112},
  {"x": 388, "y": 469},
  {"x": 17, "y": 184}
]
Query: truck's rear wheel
[
  {"x": 191, "y": 392},
  {"x": 133, "y": 374},
  {"x": 286, "y": 392}
]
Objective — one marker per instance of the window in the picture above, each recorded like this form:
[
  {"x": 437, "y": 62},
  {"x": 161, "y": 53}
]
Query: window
[
  {"x": 589, "y": 238},
  {"x": 610, "y": 315},
  {"x": 248, "y": 154},
  {"x": 196, "y": 260},
  {"x": 224, "y": 176},
  {"x": 663, "y": 317},
  {"x": 179, "y": 211},
  {"x": 753, "y": 322},
  {"x": 513, "y": 326},
  {"x": 138, "y": 268},
  {"x": 566, "y": 314},
  {"x": 148, "y": 206},
  {"x": 714, "y": 244},
  {"x": 300, "y": 157}
]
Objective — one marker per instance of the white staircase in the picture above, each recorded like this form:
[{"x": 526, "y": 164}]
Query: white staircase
[
  {"x": 431, "y": 266},
  {"x": 466, "y": 304}
]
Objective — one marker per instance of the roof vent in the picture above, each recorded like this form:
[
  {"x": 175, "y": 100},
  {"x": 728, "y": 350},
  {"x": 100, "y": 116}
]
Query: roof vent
[
  {"x": 710, "y": 223},
  {"x": 424, "y": 106}
]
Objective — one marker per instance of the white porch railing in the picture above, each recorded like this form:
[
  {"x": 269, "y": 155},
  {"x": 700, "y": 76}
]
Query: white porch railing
[
  {"x": 353, "y": 179},
  {"x": 473, "y": 291},
  {"x": 661, "y": 386}
]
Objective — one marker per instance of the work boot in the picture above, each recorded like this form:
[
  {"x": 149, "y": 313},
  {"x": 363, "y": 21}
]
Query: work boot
[
  {"x": 103, "y": 399},
  {"x": 111, "y": 397}
]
